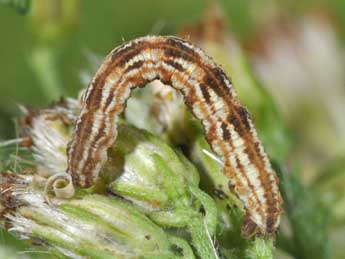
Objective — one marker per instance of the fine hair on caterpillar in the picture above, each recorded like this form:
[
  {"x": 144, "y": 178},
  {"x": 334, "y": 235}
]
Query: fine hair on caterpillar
[{"x": 210, "y": 96}]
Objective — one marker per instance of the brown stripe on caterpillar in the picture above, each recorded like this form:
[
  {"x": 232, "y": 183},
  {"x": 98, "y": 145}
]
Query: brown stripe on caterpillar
[
  {"x": 171, "y": 51},
  {"x": 137, "y": 83},
  {"x": 205, "y": 93},
  {"x": 117, "y": 58},
  {"x": 215, "y": 78},
  {"x": 102, "y": 74},
  {"x": 255, "y": 155},
  {"x": 208, "y": 93},
  {"x": 254, "y": 202},
  {"x": 174, "y": 64},
  {"x": 133, "y": 81}
]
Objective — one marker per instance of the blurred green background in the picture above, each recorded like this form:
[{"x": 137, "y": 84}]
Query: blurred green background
[
  {"x": 81, "y": 27},
  {"x": 46, "y": 50},
  {"x": 78, "y": 27},
  {"x": 295, "y": 48},
  {"x": 88, "y": 27},
  {"x": 72, "y": 29}
]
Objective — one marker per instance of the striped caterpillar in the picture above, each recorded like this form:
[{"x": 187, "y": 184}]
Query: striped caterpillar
[{"x": 209, "y": 95}]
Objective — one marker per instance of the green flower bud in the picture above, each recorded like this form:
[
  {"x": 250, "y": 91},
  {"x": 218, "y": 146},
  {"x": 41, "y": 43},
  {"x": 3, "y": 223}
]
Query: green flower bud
[
  {"x": 164, "y": 184},
  {"x": 230, "y": 209},
  {"x": 91, "y": 227}
]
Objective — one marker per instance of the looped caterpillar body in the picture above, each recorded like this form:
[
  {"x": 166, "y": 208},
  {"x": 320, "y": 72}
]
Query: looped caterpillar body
[{"x": 207, "y": 92}]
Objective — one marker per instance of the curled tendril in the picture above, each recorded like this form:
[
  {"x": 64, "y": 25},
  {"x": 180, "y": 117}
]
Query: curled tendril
[{"x": 62, "y": 186}]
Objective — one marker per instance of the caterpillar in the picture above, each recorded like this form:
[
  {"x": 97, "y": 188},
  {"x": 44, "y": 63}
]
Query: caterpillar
[{"x": 208, "y": 93}]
